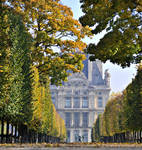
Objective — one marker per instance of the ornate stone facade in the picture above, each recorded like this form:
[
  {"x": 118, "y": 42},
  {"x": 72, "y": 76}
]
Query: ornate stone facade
[{"x": 81, "y": 99}]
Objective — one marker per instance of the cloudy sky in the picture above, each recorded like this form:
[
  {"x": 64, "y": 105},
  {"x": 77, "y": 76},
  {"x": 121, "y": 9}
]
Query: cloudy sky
[{"x": 120, "y": 78}]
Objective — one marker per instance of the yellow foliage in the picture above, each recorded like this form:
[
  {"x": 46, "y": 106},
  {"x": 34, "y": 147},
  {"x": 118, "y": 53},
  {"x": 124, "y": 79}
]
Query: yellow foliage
[
  {"x": 45, "y": 118},
  {"x": 53, "y": 25}
]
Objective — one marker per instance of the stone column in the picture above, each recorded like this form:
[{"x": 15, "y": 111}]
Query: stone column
[
  {"x": 71, "y": 135},
  {"x": 89, "y": 135},
  {"x": 90, "y": 118},
  {"x": 95, "y": 116},
  {"x": 80, "y": 119},
  {"x": 96, "y": 101},
  {"x": 80, "y": 102},
  {"x": 71, "y": 101},
  {"x": 72, "y": 119}
]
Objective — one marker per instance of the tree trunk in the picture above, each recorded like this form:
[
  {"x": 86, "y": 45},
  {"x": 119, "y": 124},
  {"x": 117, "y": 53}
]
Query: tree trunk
[
  {"x": 2, "y": 130},
  {"x": 7, "y": 131},
  {"x": 140, "y": 136},
  {"x": 11, "y": 134},
  {"x": 15, "y": 134}
]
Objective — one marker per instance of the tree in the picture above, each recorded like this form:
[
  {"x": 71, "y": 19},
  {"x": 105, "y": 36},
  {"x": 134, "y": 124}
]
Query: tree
[
  {"x": 122, "y": 21},
  {"x": 4, "y": 59},
  {"x": 47, "y": 105},
  {"x": 19, "y": 102},
  {"x": 133, "y": 103},
  {"x": 45, "y": 119},
  {"x": 97, "y": 129},
  {"x": 15, "y": 60},
  {"x": 36, "y": 103},
  {"x": 15, "y": 91},
  {"x": 113, "y": 115},
  {"x": 4, "y": 66},
  {"x": 58, "y": 45}
]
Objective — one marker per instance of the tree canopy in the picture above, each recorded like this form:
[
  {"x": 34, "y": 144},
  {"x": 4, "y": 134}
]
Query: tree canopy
[
  {"x": 123, "y": 112},
  {"x": 122, "y": 21},
  {"x": 45, "y": 119},
  {"x": 57, "y": 37},
  {"x": 133, "y": 102},
  {"x": 39, "y": 42}
]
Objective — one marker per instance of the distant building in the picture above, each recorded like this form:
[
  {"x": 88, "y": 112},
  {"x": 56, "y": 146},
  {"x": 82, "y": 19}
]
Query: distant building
[{"x": 81, "y": 99}]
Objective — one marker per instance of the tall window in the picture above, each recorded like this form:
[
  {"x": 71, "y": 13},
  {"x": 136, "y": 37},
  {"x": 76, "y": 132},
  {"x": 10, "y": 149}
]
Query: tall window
[
  {"x": 85, "y": 102},
  {"x": 68, "y": 102},
  {"x": 76, "y": 102},
  {"x": 85, "y": 119},
  {"x": 100, "y": 102},
  {"x": 85, "y": 136},
  {"x": 76, "y": 135},
  {"x": 68, "y": 136},
  {"x": 76, "y": 119},
  {"x": 68, "y": 119}
]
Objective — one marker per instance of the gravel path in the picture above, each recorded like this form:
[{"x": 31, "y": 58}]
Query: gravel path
[
  {"x": 95, "y": 146},
  {"x": 72, "y": 148}
]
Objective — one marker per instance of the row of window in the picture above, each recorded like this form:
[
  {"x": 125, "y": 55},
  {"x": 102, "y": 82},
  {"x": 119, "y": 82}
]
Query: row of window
[
  {"x": 76, "y": 102},
  {"x": 85, "y": 103},
  {"x": 76, "y": 119},
  {"x": 76, "y": 84},
  {"x": 75, "y": 92},
  {"x": 70, "y": 92}
]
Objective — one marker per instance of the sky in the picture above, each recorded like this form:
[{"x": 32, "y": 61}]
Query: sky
[{"x": 120, "y": 78}]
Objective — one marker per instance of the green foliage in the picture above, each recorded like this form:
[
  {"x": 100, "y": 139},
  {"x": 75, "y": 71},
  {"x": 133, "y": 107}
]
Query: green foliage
[
  {"x": 19, "y": 91},
  {"x": 97, "y": 129},
  {"x": 45, "y": 118},
  {"x": 57, "y": 45},
  {"x": 15, "y": 91},
  {"x": 123, "y": 111},
  {"x": 112, "y": 120},
  {"x": 113, "y": 115},
  {"x": 44, "y": 35},
  {"x": 121, "y": 19},
  {"x": 4, "y": 59},
  {"x": 133, "y": 103}
]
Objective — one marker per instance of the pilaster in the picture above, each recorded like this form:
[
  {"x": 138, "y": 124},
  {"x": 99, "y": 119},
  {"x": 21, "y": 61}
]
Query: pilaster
[{"x": 81, "y": 119}]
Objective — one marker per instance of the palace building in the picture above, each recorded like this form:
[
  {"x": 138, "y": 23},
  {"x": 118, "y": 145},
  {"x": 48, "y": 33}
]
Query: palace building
[{"x": 81, "y": 99}]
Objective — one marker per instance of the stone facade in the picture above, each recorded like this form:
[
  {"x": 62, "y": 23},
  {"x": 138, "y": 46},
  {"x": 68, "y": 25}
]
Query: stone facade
[{"x": 80, "y": 100}]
